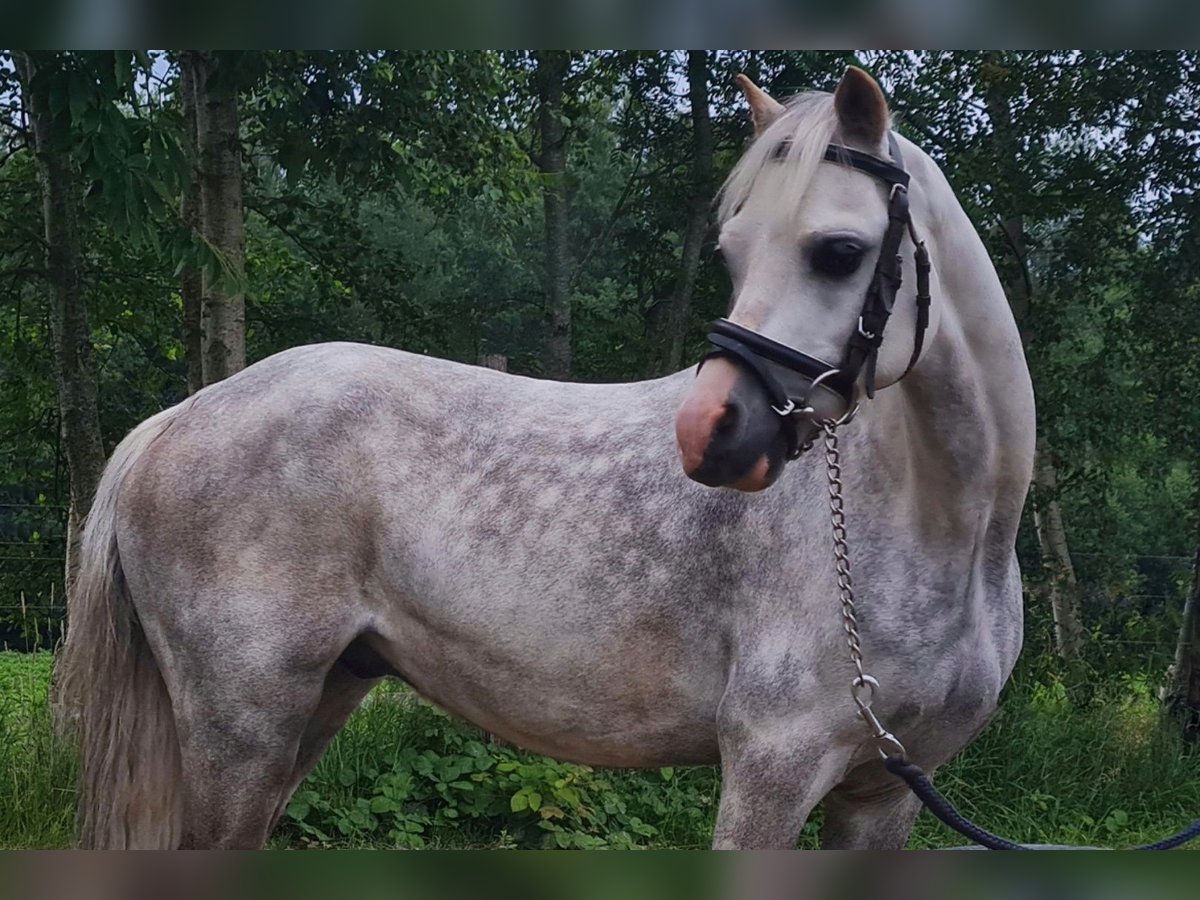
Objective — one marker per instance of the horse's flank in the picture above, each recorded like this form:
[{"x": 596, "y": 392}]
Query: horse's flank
[{"x": 459, "y": 518}]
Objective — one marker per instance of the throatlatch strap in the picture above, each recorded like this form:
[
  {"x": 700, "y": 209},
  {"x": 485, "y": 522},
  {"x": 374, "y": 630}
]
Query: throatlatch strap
[{"x": 921, "y": 258}]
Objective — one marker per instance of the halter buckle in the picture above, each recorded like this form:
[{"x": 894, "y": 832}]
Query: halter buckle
[
  {"x": 897, "y": 186},
  {"x": 869, "y": 335},
  {"x": 786, "y": 410}
]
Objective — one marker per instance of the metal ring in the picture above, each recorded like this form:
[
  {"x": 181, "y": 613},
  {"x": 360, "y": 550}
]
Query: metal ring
[
  {"x": 887, "y": 739},
  {"x": 828, "y": 373},
  {"x": 846, "y": 416},
  {"x": 856, "y": 686}
]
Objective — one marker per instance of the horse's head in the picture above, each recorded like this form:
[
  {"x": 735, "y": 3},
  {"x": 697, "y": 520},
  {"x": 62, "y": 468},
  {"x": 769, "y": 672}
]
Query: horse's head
[{"x": 803, "y": 216}]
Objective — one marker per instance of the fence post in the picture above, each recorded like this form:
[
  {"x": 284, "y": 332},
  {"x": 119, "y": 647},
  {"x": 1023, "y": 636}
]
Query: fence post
[{"x": 497, "y": 361}]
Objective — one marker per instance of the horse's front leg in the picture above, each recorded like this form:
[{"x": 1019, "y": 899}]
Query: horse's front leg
[
  {"x": 773, "y": 772},
  {"x": 869, "y": 810}
]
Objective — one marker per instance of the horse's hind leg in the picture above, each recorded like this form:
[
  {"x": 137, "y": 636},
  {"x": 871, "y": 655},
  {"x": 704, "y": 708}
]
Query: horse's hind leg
[
  {"x": 869, "y": 810},
  {"x": 343, "y": 692},
  {"x": 238, "y": 757},
  {"x": 241, "y": 713}
]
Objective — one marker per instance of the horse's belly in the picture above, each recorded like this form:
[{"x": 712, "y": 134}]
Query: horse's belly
[{"x": 630, "y": 703}]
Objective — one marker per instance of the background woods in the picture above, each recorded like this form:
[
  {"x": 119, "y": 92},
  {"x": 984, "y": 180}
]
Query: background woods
[{"x": 166, "y": 219}]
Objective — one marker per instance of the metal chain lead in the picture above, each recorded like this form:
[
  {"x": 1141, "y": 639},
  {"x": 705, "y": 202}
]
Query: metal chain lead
[{"x": 864, "y": 686}]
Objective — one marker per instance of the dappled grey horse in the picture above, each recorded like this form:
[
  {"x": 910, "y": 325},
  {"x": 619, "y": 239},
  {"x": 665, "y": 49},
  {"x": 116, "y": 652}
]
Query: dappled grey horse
[{"x": 533, "y": 557}]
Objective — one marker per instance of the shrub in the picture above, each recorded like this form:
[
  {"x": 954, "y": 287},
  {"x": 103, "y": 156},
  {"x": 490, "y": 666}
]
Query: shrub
[{"x": 441, "y": 783}]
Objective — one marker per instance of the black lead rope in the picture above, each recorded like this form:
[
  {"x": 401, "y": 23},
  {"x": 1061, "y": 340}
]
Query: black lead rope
[{"x": 944, "y": 811}]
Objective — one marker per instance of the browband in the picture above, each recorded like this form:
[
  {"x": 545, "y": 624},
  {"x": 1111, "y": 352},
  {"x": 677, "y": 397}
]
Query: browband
[{"x": 864, "y": 162}]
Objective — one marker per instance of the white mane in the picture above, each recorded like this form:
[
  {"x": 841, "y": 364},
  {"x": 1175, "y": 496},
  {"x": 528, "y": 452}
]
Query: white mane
[{"x": 808, "y": 126}]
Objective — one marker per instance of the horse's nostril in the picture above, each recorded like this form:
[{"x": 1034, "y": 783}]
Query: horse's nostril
[{"x": 728, "y": 423}]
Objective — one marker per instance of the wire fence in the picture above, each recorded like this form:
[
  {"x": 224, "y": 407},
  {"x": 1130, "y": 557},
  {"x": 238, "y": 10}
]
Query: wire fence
[{"x": 32, "y": 551}]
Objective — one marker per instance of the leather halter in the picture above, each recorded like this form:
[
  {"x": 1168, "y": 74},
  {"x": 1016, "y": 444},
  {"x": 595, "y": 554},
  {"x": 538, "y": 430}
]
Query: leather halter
[{"x": 754, "y": 351}]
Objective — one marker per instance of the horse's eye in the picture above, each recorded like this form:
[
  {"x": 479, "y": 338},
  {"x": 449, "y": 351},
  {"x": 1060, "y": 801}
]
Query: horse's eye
[{"x": 837, "y": 257}]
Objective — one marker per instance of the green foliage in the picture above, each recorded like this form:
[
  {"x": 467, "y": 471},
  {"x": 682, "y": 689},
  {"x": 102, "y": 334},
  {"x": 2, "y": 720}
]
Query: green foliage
[
  {"x": 37, "y": 767},
  {"x": 401, "y": 774},
  {"x": 1046, "y": 770},
  {"x": 422, "y": 779}
]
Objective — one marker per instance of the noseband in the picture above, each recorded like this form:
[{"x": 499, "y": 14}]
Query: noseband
[{"x": 754, "y": 351}]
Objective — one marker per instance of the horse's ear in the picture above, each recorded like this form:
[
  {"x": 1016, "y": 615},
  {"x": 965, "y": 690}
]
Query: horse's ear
[
  {"x": 861, "y": 109},
  {"x": 764, "y": 109}
]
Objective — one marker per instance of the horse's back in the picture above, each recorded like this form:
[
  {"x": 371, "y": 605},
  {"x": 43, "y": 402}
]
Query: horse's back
[{"x": 443, "y": 510}]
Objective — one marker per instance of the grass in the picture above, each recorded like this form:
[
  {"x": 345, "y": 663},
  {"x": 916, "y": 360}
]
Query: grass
[
  {"x": 1107, "y": 774},
  {"x": 37, "y": 768},
  {"x": 403, "y": 774}
]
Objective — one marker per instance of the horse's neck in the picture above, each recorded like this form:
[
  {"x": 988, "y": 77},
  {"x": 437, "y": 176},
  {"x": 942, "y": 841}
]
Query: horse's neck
[{"x": 959, "y": 430}]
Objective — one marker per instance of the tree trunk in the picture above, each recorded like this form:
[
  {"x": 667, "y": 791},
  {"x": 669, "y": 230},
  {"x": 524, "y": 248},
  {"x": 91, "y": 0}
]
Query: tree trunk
[
  {"x": 79, "y": 418},
  {"x": 222, "y": 303},
  {"x": 191, "y": 287},
  {"x": 1061, "y": 585},
  {"x": 552, "y": 67},
  {"x": 670, "y": 319},
  {"x": 1183, "y": 689}
]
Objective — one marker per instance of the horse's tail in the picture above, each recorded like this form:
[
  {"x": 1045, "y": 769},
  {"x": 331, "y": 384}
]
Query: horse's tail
[{"x": 111, "y": 689}]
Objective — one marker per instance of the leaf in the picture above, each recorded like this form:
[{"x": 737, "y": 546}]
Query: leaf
[
  {"x": 637, "y": 826},
  {"x": 78, "y": 94},
  {"x": 519, "y": 801},
  {"x": 383, "y": 804},
  {"x": 298, "y": 810}
]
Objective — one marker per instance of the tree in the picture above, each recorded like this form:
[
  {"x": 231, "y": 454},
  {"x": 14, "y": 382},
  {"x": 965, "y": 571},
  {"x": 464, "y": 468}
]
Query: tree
[
  {"x": 998, "y": 81},
  {"x": 212, "y": 79},
  {"x": 390, "y": 197},
  {"x": 669, "y": 321},
  {"x": 552, "y": 69},
  {"x": 191, "y": 284},
  {"x": 79, "y": 418}
]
